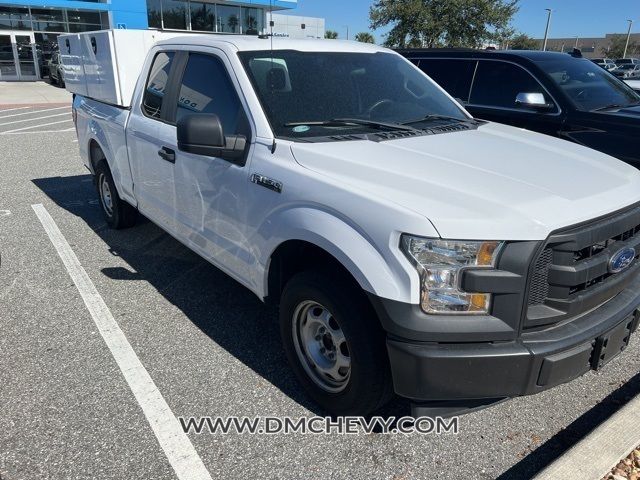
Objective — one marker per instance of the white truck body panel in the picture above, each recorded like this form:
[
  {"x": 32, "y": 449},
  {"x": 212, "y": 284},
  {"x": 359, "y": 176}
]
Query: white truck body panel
[
  {"x": 352, "y": 198},
  {"x": 472, "y": 188},
  {"x": 105, "y": 65}
]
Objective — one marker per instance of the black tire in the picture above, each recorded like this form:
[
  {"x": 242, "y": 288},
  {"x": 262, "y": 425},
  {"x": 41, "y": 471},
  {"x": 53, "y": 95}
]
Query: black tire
[
  {"x": 118, "y": 214},
  {"x": 369, "y": 385}
]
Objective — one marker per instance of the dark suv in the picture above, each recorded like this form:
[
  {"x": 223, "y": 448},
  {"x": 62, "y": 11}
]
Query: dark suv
[{"x": 559, "y": 94}]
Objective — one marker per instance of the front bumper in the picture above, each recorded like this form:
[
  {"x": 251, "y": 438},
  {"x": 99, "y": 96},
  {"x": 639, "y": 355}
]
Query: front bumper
[{"x": 489, "y": 371}]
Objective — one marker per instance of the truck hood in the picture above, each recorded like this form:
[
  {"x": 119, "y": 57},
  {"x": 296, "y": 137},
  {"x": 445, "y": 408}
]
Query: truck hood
[{"x": 495, "y": 182}]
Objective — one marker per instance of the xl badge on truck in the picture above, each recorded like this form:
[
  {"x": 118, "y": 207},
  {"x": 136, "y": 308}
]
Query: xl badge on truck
[{"x": 622, "y": 259}]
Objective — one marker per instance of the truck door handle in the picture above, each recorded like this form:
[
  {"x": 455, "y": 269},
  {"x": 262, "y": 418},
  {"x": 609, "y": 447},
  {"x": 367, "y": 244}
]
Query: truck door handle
[{"x": 167, "y": 154}]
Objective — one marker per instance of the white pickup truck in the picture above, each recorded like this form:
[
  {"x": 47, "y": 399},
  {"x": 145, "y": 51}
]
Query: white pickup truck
[{"x": 411, "y": 248}]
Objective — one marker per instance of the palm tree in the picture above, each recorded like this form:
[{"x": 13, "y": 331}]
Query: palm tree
[
  {"x": 365, "y": 37},
  {"x": 330, "y": 34}
]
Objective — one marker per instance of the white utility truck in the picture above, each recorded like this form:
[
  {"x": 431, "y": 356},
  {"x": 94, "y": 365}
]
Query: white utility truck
[{"x": 411, "y": 248}]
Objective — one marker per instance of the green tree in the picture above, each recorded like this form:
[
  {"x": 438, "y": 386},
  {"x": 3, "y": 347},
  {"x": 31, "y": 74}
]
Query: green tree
[
  {"x": 435, "y": 23},
  {"x": 616, "y": 49},
  {"x": 523, "y": 42},
  {"x": 330, "y": 34},
  {"x": 365, "y": 37}
]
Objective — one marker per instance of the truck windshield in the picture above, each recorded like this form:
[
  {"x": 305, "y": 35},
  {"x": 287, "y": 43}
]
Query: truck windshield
[
  {"x": 306, "y": 94},
  {"x": 587, "y": 85}
]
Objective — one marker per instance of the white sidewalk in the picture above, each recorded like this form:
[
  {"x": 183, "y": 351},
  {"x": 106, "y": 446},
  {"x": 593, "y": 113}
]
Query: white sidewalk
[{"x": 30, "y": 93}]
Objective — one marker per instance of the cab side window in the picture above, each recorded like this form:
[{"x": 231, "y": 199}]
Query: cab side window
[
  {"x": 497, "y": 84},
  {"x": 207, "y": 89},
  {"x": 454, "y": 76},
  {"x": 156, "y": 87}
]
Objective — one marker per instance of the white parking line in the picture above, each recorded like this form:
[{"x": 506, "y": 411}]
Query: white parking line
[
  {"x": 34, "y": 119},
  {"x": 179, "y": 450},
  {"x": 32, "y": 112},
  {"x": 8, "y": 132},
  {"x": 5, "y": 213},
  {"x": 13, "y": 109},
  {"x": 19, "y": 132}
]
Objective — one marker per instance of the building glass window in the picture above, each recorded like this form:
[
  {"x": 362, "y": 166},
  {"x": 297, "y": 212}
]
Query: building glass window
[
  {"x": 12, "y": 18},
  {"x": 50, "y": 26},
  {"x": 47, "y": 14},
  {"x": 174, "y": 14},
  {"x": 228, "y": 19},
  {"x": 76, "y": 16},
  {"x": 154, "y": 13},
  {"x": 252, "y": 21},
  {"x": 203, "y": 16}
]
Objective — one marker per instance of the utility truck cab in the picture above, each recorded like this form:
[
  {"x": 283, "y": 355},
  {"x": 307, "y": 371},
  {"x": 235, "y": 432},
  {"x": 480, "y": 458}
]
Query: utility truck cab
[{"x": 410, "y": 247}]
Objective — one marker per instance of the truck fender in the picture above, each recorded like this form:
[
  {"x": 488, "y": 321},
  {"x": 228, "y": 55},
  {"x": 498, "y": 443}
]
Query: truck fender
[
  {"x": 116, "y": 157},
  {"x": 378, "y": 272}
]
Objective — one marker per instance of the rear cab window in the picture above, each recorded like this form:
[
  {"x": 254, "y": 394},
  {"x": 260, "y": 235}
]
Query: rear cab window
[{"x": 157, "y": 83}]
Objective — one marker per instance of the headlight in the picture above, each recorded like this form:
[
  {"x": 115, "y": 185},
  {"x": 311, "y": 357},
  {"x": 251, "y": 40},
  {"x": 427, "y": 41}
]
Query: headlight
[{"x": 440, "y": 264}]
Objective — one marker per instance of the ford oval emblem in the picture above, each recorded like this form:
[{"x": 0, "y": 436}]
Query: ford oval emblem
[{"x": 622, "y": 259}]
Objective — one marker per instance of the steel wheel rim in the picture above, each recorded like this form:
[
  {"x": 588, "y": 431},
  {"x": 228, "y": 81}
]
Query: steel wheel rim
[
  {"x": 105, "y": 195},
  {"x": 321, "y": 346}
]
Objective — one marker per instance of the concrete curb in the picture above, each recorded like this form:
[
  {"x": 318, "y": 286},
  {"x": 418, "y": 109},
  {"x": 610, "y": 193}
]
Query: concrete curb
[{"x": 602, "y": 449}]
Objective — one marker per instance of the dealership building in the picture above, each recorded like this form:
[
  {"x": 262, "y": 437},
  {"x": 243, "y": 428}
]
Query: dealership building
[{"x": 29, "y": 28}]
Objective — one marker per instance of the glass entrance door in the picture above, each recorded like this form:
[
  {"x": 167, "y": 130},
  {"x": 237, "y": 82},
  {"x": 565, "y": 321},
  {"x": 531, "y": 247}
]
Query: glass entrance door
[
  {"x": 18, "y": 59},
  {"x": 8, "y": 67},
  {"x": 27, "y": 61}
]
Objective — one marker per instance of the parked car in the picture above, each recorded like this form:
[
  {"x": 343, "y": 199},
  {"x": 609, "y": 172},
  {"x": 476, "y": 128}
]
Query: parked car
[
  {"x": 627, "y": 61},
  {"x": 56, "y": 73},
  {"x": 549, "y": 92},
  {"x": 408, "y": 245},
  {"x": 626, "y": 71},
  {"x": 605, "y": 63}
]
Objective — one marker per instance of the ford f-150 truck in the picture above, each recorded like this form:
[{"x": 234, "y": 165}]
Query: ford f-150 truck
[{"x": 410, "y": 247}]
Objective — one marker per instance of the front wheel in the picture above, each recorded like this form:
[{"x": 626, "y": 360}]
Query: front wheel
[
  {"x": 117, "y": 213},
  {"x": 335, "y": 344}
]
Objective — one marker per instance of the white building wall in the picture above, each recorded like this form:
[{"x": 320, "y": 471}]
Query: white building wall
[{"x": 291, "y": 26}]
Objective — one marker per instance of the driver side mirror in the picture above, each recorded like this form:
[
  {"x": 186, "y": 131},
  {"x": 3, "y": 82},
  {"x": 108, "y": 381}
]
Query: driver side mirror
[
  {"x": 533, "y": 100},
  {"x": 203, "y": 135}
]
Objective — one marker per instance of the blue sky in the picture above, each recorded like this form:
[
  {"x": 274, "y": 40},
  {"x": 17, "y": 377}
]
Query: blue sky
[{"x": 585, "y": 18}]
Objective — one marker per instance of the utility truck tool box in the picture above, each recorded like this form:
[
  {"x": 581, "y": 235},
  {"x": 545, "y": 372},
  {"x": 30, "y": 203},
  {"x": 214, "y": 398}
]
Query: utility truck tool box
[{"x": 105, "y": 65}]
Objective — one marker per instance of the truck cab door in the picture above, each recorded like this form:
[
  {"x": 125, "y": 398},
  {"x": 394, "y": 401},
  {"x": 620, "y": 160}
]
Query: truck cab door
[
  {"x": 211, "y": 192},
  {"x": 152, "y": 144}
]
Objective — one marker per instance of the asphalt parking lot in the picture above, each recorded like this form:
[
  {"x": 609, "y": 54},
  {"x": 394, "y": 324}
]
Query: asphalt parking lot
[{"x": 210, "y": 347}]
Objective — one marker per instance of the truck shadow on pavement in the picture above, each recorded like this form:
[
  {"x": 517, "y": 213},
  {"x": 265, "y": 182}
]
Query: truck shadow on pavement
[{"x": 227, "y": 312}]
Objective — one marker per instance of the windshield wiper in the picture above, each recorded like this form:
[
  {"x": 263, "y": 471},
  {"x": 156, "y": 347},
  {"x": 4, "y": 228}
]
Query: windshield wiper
[
  {"x": 428, "y": 118},
  {"x": 615, "y": 105},
  {"x": 345, "y": 122},
  {"x": 608, "y": 107}
]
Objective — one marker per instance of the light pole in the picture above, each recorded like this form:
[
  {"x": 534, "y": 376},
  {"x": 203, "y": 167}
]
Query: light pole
[
  {"x": 626, "y": 45},
  {"x": 347, "y": 27},
  {"x": 546, "y": 30}
]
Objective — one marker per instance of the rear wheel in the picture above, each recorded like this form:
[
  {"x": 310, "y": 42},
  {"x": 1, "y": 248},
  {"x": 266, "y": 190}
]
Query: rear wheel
[
  {"x": 335, "y": 344},
  {"x": 117, "y": 213}
]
